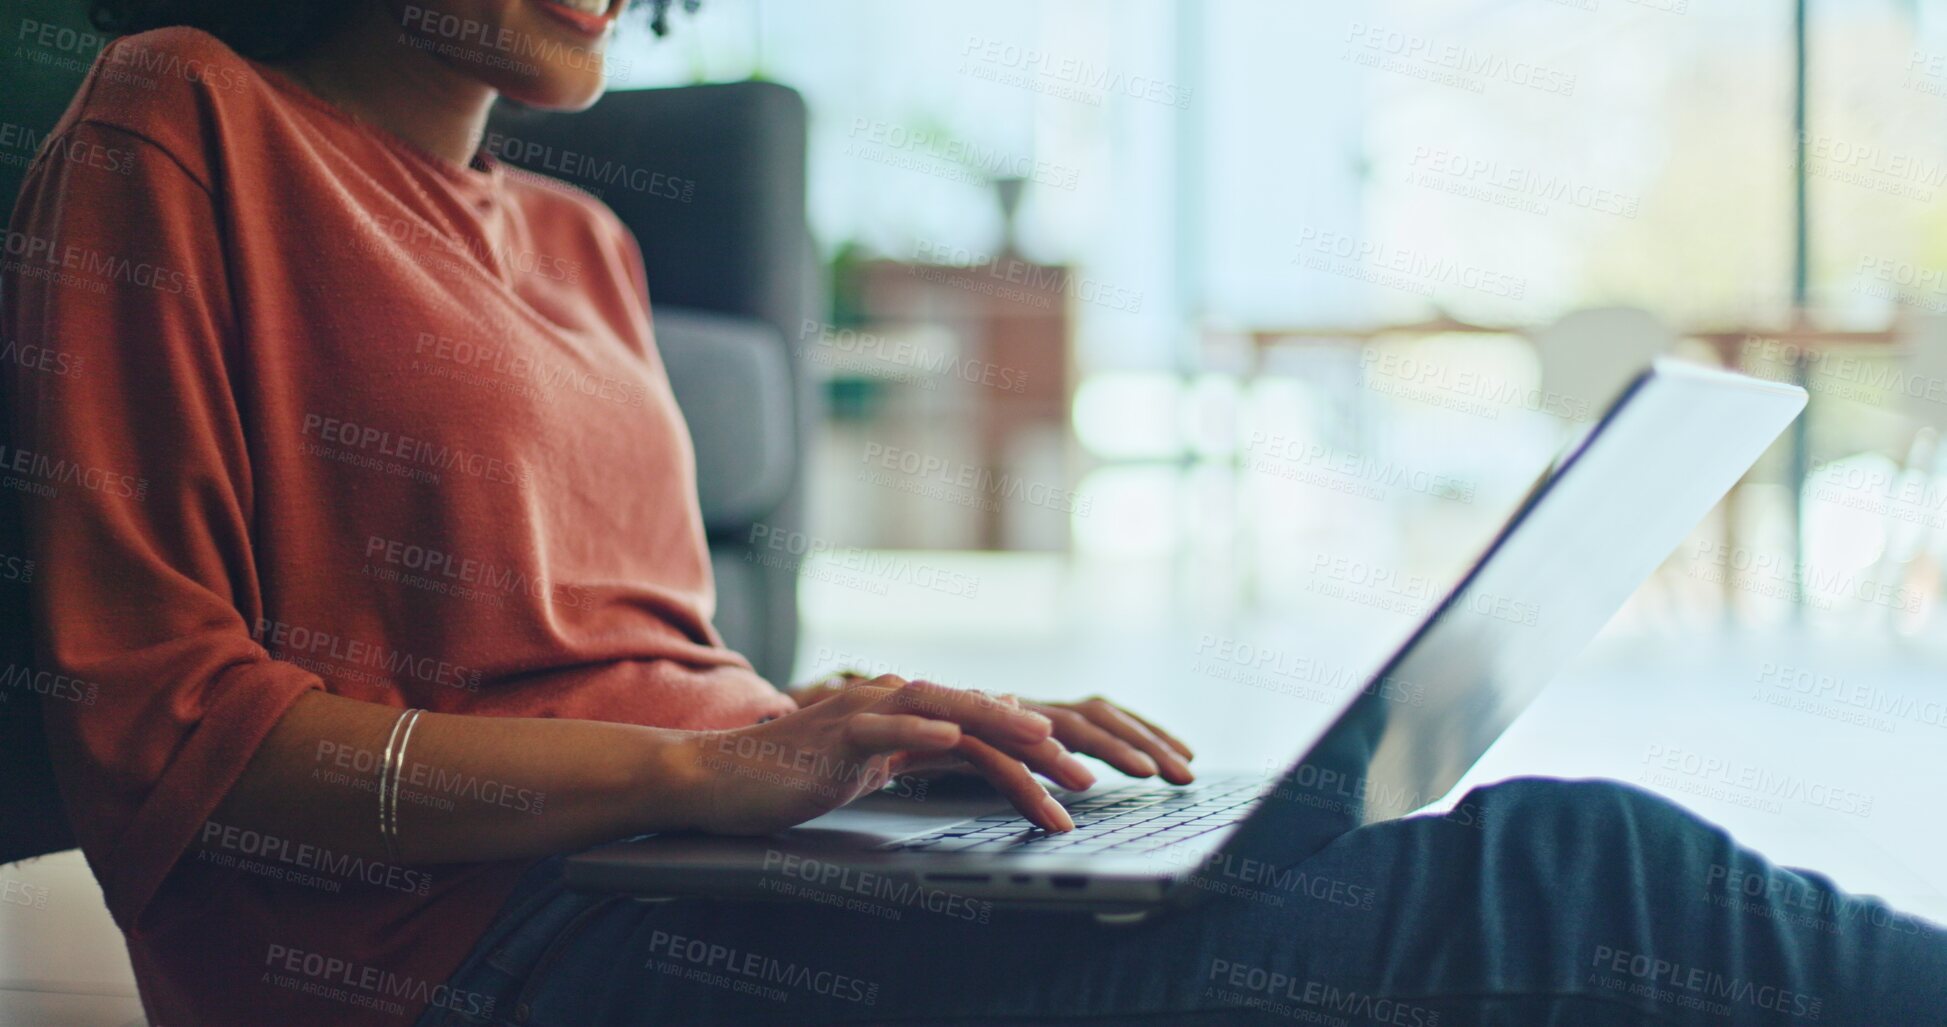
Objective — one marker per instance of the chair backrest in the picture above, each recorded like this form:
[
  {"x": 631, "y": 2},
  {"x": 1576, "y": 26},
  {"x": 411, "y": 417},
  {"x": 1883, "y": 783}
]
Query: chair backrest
[
  {"x": 33, "y": 821},
  {"x": 1590, "y": 354}
]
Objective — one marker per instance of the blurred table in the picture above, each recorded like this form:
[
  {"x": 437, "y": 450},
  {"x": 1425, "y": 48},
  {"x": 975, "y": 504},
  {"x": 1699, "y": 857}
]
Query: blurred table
[{"x": 1012, "y": 323}]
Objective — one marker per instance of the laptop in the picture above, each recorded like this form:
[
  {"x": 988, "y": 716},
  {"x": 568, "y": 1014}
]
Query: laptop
[{"x": 1596, "y": 524}]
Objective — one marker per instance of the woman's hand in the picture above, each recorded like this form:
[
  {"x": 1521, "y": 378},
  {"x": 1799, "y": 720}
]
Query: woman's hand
[
  {"x": 852, "y": 740},
  {"x": 1118, "y": 737},
  {"x": 1093, "y": 726}
]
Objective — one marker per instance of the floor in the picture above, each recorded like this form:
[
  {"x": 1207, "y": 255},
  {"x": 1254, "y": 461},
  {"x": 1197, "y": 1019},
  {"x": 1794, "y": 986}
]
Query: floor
[
  {"x": 1819, "y": 745},
  {"x": 1853, "y": 720}
]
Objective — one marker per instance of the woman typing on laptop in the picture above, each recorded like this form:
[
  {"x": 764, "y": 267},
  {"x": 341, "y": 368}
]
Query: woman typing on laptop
[{"x": 310, "y": 577}]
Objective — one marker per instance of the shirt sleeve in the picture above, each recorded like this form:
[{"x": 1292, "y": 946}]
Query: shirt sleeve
[{"x": 130, "y": 464}]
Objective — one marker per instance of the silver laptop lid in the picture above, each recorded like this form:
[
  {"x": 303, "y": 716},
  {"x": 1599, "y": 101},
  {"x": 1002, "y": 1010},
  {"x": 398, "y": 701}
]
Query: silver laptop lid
[{"x": 1596, "y": 524}]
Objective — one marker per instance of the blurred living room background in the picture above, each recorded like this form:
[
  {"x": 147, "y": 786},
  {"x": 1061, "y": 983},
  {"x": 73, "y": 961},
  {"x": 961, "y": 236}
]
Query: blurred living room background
[
  {"x": 1187, "y": 295},
  {"x": 1186, "y": 350}
]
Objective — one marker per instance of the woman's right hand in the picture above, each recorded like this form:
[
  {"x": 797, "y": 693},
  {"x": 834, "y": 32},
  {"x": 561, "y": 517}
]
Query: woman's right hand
[{"x": 783, "y": 772}]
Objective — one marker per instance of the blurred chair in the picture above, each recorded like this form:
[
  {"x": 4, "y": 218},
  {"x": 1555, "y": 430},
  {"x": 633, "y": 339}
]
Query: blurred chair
[{"x": 1589, "y": 355}]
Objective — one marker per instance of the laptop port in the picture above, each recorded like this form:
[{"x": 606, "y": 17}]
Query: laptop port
[{"x": 1068, "y": 880}]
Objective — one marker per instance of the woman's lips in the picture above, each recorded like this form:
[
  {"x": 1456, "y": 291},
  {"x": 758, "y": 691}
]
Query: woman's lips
[{"x": 587, "y": 24}]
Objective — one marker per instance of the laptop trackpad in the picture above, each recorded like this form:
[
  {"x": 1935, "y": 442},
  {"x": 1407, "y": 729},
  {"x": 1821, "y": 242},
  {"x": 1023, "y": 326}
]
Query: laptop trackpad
[{"x": 885, "y": 817}]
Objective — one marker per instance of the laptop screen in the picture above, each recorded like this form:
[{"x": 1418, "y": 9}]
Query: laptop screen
[{"x": 1597, "y": 524}]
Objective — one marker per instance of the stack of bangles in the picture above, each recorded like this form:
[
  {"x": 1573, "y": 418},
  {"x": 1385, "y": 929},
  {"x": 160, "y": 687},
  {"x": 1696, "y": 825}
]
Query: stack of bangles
[{"x": 391, "y": 768}]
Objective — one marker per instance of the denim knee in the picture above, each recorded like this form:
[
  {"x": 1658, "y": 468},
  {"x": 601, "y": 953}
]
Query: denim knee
[{"x": 1582, "y": 810}]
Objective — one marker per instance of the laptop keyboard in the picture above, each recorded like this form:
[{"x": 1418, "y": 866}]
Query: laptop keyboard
[{"x": 1131, "y": 819}]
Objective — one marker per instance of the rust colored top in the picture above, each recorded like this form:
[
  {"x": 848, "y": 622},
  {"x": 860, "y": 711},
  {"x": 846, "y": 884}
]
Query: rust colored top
[{"x": 311, "y": 409}]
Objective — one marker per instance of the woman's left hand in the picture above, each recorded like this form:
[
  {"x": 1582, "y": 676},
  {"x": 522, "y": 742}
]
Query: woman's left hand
[
  {"x": 1118, "y": 737},
  {"x": 1093, "y": 726}
]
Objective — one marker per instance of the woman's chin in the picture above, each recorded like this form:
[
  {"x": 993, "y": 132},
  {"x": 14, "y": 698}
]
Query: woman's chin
[{"x": 567, "y": 92}]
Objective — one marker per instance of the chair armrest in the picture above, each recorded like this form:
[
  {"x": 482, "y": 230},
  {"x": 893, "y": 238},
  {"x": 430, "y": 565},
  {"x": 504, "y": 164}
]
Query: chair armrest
[{"x": 732, "y": 378}]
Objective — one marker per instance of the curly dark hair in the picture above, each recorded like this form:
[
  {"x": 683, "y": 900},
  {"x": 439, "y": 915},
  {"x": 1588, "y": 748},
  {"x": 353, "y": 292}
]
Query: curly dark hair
[{"x": 271, "y": 30}]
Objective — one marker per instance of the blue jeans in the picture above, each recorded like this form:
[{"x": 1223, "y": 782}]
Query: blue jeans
[{"x": 1548, "y": 902}]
